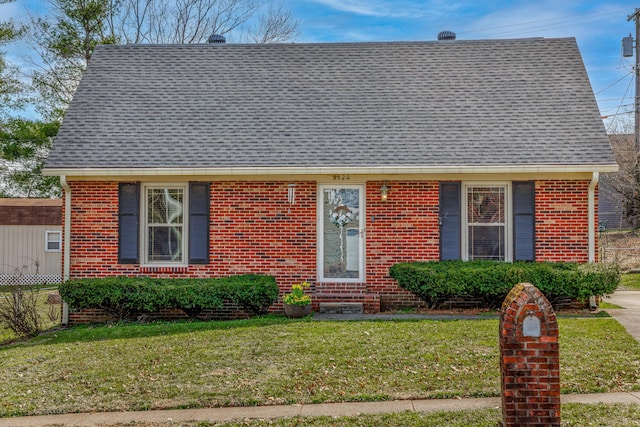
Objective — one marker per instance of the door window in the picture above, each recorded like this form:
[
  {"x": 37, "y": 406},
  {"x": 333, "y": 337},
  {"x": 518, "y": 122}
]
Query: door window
[{"x": 341, "y": 219}]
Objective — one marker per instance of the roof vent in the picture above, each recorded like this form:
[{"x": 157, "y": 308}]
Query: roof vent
[
  {"x": 446, "y": 35},
  {"x": 216, "y": 39}
]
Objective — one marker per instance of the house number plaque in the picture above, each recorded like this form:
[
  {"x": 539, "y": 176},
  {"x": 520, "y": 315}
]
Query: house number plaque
[{"x": 341, "y": 177}]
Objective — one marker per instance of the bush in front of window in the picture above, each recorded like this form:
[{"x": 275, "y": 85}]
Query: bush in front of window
[
  {"x": 257, "y": 298},
  {"x": 119, "y": 296},
  {"x": 124, "y": 297},
  {"x": 489, "y": 281}
]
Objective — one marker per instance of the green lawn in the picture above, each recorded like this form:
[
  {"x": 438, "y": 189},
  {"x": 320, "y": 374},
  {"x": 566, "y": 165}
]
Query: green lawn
[
  {"x": 273, "y": 360},
  {"x": 631, "y": 281}
]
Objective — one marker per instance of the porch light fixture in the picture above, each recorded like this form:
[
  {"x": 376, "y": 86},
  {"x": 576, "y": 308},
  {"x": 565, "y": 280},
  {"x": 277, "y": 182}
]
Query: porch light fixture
[
  {"x": 291, "y": 195},
  {"x": 384, "y": 192}
]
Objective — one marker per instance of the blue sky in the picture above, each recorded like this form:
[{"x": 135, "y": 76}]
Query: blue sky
[{"x": 597, "y": 25}]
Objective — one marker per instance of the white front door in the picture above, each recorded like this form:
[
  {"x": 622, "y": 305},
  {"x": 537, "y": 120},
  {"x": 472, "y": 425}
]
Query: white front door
[{"x": 341, "y": 233}]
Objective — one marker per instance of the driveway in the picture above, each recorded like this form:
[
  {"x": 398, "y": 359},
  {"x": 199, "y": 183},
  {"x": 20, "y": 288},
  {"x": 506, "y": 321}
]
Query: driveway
[{"x": 629, "y": 316}]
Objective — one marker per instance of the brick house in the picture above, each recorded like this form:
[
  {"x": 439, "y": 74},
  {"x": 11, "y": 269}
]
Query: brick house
[{"x": 329, "y": 162}]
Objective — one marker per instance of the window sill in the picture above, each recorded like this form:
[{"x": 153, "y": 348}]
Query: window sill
[
  {"x": 164, "y": 268},
  {"x": 339, "y": 280}
]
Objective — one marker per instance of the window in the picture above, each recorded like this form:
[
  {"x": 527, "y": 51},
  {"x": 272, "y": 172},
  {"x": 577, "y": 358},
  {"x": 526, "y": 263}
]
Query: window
[
  {"x": 341, "y": 242},
  {"x": 157, "y": 221},
  {"x": 486, "y": 229},
  {"x": 163, "y": 232},
  {"x": 53, "y": 241},
  {"x": 494, "y": 220}
]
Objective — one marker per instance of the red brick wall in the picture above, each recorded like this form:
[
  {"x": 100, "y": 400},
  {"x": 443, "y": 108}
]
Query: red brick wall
[
  {"x": 254, "y": 230},
  {"x": 94, "y": 230},
  {"x": 404, "y": 228},
  {"x": 562, "y": 221}
]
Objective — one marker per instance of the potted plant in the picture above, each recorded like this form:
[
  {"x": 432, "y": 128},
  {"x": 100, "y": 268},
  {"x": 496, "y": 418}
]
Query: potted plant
[{"x": 296, "y": 302}]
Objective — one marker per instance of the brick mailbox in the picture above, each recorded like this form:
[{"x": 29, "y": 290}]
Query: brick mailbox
[{"x": 529, "y": 359}]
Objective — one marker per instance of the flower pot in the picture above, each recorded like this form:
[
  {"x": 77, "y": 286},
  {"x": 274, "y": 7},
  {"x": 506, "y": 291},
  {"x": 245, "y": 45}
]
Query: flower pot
[{"x": 297, "y": 311}]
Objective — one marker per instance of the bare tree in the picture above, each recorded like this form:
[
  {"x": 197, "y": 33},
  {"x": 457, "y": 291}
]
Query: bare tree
[
  {"x": 278, "y": 25},
  {"x": 193, "y": 21},
  {"x": 627, "y": 181}
]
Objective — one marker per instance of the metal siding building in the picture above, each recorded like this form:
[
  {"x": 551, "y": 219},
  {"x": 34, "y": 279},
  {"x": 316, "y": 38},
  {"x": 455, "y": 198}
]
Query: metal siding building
[{"x": 30, "y": 241}]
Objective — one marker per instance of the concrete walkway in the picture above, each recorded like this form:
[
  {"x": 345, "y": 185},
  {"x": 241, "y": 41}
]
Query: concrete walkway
[
  {"x": 629, "y": 315},
  {"x": 272, "y": 412}
]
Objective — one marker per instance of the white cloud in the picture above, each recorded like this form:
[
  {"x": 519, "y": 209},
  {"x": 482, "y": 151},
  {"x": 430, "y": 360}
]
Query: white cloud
[
  {"x": 545, "y": 19},
  {"x": 392, "y": 8}
]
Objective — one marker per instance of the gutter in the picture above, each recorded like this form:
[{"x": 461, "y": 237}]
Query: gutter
[
  {"x": 67, "y": 243},
  {"x": 337, "y": 170},
  {"x": 592, "y": 216}
]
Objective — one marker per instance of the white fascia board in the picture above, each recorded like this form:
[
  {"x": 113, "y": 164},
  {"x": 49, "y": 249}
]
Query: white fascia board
[{"x": 314, "y": 170}]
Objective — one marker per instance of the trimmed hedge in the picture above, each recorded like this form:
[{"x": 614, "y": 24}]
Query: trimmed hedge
[
  {"x": 491, "y": 281},
  {"x": 123, "y": 296}
]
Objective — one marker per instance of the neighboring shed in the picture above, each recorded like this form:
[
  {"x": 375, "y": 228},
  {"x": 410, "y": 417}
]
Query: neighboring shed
[{"x": 30, "y": 241}]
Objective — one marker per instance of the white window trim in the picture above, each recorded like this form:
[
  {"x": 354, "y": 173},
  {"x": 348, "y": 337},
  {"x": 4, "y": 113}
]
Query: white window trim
[
  {"x": 47, "y": 240},
  {"x": 508, "y": 218},
  {"x": 144, "y": 244},
  {"x": 320, "y": 231}
]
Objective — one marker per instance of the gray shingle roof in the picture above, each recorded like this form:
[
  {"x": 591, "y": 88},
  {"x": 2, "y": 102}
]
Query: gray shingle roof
[{"x": 397, "y": 104}]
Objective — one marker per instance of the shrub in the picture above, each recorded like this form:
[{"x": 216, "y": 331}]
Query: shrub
[
  {"x": 491, "y": 281},
  {"x": 258, "y": 297},
  {"x": 19, "y": 310},
  {"x": 119, "y": 296},
  {"x": 125, "y": 296},
  {"x": 194, "y": 295}
]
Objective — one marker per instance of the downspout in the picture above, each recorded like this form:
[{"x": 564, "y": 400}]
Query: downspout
[
  {"x": 592, "y": 216},
  {"x": 66, "y": 273}
]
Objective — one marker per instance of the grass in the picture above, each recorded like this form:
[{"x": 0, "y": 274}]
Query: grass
[
  {"x": 273, "y": 360},
  {"x": 573, "y": 415},
  {"x": 605, "y": 305},
  {"x": 631, "y": 281}
]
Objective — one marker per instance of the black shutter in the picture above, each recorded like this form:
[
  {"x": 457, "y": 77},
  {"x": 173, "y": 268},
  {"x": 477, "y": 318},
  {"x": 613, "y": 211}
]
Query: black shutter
[
  {"x": 524, "y": 221},
  {"x": 128, "y": 222},
  {"x": 198, "y": 223},
  {"x": 450, "y": 221}
]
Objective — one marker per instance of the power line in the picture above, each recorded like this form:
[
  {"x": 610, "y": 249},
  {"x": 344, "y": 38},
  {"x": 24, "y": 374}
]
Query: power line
[
  {"x": 630, "y": 73},
  {"x": 614, "y": 99},
  {"x": 567, "y": 20},
  {"x": 617, "y": 108},
  {"x": 608, "y": 116},
  {"x": 525, "y": 31},
  {"x": 617, "y": 113}
]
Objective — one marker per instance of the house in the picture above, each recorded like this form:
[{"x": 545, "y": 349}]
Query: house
[
  {"x": 329, "y": 162},
  {"x": 30, "y": 241}
]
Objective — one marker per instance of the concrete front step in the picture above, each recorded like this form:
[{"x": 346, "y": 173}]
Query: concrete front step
[{"x": 341, "y": 307}]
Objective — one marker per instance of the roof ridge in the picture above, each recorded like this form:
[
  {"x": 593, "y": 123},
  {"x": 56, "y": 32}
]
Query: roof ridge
[{"x": 340, "y": 43}]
